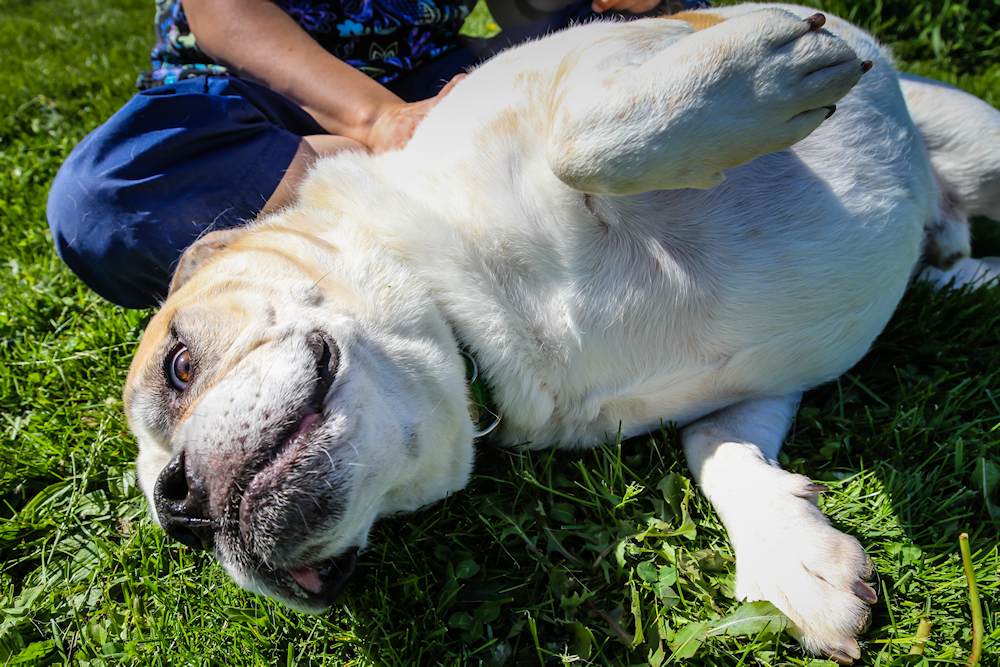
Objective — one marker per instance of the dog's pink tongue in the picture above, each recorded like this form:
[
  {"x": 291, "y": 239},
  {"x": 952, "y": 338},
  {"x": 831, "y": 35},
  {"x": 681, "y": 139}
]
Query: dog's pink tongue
[{"x": 307, "y": 578}]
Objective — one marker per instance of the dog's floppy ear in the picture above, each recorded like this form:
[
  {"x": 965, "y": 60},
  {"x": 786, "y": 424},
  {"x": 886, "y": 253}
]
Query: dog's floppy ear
[{"x": 200, "y": 252}]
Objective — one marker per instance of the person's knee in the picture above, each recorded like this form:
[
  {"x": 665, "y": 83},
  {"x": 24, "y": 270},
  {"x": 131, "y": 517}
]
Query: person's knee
[
  {"x": 95, "y": 234},
  {"x": 170, "y": 165}
]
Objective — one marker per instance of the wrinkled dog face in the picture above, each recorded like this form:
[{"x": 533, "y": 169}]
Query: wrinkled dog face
[{"x": 275, "y": 426}]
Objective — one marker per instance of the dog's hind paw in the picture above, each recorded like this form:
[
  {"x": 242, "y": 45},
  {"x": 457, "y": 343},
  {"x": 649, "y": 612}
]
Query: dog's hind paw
[
  {"x": 983, "y": 272},
  {"x": 947, "y": 239}
]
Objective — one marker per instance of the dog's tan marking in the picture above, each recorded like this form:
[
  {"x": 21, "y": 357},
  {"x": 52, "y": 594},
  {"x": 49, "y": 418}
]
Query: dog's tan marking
[
  {"x": 528, "y": 77},
  {"x": 138, "y": 381},
  {"x": 506, "y": 123},
  {"x": 565, "y": 68},
  {"x": 264, "y": 242},
  {"x": 698, "y": 20}
]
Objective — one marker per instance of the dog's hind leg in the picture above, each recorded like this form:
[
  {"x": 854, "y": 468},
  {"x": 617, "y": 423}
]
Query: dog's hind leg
[
  {"x": 962, "y": 135},
  {"x": 971, "y": 271},
  {"x": 786, "y": 551},
  {"x": 714, "y": 99}
]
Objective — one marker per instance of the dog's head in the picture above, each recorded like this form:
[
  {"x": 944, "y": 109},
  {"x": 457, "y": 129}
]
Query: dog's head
[{"x": 286, "y": 395}]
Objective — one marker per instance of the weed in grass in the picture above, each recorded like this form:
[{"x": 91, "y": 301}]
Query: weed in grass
[{"x": 605, "y": 557}]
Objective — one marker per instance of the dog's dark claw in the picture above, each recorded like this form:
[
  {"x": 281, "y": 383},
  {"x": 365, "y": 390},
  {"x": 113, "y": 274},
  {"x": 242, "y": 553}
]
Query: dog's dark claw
[
  {"x": 866, "y": 66},
  {"x": 830, "y": 110},
  {"x": 816, "y": 21},
  {"x": 811, "y": 490},
  {"x": 839, "y": 657},
  {"x": 865, "y": 592}
]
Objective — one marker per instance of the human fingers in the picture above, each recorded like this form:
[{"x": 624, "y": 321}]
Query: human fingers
[
  {"x": 394, "y": 126},
  {"x": 401, "y": 121},
  {"x": 396, "y": 123}
]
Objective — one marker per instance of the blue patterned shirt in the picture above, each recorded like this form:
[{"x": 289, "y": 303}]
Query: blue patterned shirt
[{"x": 382, "y": 38}]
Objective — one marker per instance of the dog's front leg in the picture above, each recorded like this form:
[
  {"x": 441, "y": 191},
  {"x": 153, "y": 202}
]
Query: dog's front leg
[
  {"x": 786, "y": 550},
  {"x": 714, "y": 99}
]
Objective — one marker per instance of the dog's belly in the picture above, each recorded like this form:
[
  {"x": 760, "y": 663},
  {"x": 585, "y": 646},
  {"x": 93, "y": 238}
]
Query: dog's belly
[
  {"x": 805, "y": 271},
  {"x": 593, "y": 313},
  {"x": 679, "y": 302}
]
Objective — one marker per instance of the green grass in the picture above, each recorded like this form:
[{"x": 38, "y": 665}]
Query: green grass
[{"x": 608, "y": 557}]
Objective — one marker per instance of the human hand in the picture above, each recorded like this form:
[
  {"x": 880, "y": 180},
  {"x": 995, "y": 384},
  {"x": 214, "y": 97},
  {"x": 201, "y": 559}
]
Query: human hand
[
  {"x": 632, "y": 6},
  {"x": 395, "y": 123}
]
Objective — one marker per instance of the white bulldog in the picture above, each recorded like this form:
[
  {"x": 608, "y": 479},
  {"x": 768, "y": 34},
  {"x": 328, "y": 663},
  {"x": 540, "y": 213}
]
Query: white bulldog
[{"x": 624, "y": 224}]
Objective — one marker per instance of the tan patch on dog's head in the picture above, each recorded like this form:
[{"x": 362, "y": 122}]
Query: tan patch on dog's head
[
  {"x": 698, "y": 20},
  {"x": 213, "y": 309}
]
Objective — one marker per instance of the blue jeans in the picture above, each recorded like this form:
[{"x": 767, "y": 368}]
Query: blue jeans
[{"x": 202, "y": 154}]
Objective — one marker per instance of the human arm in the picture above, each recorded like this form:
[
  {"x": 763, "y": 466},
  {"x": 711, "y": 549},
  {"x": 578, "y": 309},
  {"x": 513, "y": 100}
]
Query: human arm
[{"x": 261, "y": 43}]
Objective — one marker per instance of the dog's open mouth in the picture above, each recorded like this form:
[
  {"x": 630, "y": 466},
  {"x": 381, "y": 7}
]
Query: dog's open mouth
[
  {"x": 325, "y": 580},
  {"x": 289, "y": 497}
]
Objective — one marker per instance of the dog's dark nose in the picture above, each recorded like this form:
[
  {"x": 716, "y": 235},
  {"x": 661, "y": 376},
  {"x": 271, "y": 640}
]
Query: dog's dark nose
[{"x": 182, "y": 504}]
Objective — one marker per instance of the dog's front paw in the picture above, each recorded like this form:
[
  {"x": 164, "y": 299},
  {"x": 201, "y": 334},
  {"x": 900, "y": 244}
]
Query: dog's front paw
[
  {"x": 781, "y": 75},
  {"x": 790, "y": 556},
  {"x": 798, "y": 70}
]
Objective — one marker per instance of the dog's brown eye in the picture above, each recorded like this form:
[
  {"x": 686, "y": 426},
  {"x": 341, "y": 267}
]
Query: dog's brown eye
[{"x": 180, "y": 369}]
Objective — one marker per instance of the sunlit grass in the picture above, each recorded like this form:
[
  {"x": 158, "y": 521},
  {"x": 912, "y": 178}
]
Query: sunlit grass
[{"x": 607, "y": 557}]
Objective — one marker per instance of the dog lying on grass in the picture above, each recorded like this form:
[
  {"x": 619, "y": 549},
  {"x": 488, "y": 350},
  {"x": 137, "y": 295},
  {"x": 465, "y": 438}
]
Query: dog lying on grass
[{"x": 623, "y": 224}]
